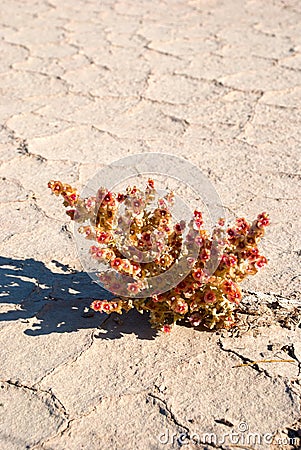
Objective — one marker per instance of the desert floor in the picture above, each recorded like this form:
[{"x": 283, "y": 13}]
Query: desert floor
[{"x": 84, "y": 83}]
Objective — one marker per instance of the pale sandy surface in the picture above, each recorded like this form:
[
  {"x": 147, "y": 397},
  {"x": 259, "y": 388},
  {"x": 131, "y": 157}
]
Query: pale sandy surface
[{"x": 83, "y": 83}]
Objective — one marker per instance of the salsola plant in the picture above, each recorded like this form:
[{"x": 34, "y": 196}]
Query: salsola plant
[{"x": 140, "y": 247}]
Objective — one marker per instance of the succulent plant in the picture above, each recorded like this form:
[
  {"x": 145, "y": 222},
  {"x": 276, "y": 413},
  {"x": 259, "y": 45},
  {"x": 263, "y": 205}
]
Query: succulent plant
[{"x": 208, "y": 295}]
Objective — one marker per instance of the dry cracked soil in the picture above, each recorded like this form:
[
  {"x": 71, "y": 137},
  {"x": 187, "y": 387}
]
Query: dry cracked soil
[{"x": 84, "y": 83}]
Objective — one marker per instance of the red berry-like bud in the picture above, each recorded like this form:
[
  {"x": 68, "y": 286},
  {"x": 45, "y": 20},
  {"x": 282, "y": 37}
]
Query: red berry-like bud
[
  {"x": 209, "y": 296},
  {"x": 96, "y": 305},
  {"x": 198, "y": 274},
  {"x": 263, "y": 220},
  {"x": 151, "y": 183},
  {"x": 120, "y": 198}
]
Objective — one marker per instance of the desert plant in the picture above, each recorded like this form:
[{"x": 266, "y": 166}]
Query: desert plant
[{"x": 144, "y": 242}]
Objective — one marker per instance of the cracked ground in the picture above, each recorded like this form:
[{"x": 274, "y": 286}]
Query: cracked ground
[{"x": 82, "y": 84}]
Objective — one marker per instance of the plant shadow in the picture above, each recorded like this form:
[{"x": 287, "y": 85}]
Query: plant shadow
[{"x": 54, "y": 302}]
